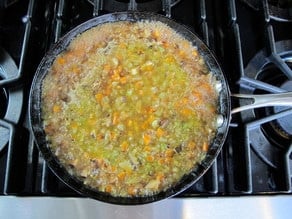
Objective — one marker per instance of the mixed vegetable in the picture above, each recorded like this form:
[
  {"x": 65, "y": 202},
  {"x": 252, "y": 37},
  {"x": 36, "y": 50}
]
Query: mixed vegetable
[{"x": 130, "y": 108}]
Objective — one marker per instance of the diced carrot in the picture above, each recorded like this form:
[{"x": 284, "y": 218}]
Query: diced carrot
[
  {"x": 107, "y": 67},
  {"x": 195, "y": 53},
  {"x": 119, "y": 69},
  {"x": 108, "y": 188},
  {"x": 99, "y": 137},
  {"x": 100, "y": 161},
  {"x": 61, "y": 60},
  {"x": 191, "y": 145},
  {"x": 161, "y": 161},
  {"x": 115, "y": 76},
  {"x": 169, "y": 153},
  {"x": 182, "y": 53},
  {"x": 197, "y": 96},
  {"x": 149, "y": 158},
  {"x": 147, "y": 148},
  {"x": 115, "y": 118},
  {"x": 149, "y": 109},
  {"x": 122, "y": 45},
  {"x": 75, "y": 69},
  {"x": 113, "y": 168},
  {"x": 138, "y": 85},
  {"x": 146, "y": 138},
  {"x": 150, "y": 119},
  {"x": 160, "y": 132},
  {"x": 108, "y": 90},
  {"x": 147, "y": 66},
  {"x": 205, "y": 147},
  {"x": 206, "y": 87},
  {"x": 167, "y": 160},
  {"x": 155, "y": 34},
  {"x": 86, "y": 155},
  {"x": 123, "y": 80},
  {"x": 56, "y": 109},
  {"x": 130, "y": 122},
  {"x": 185, "y": 44},
  {"x": 170, "y": 59},
  {"x": 124, "y": 146},
  {"x": 78, "y": 51},
  {"x": 165, "y": 44},
  {"x": 186, "y": 112},
  {"x": 74, "y": 125},
  {"x": 160, "y": 176},
  {"x": 144, "y": 125},
  {"x": 91, "y": 121},
  {"x": 98, "y": 97},
  {"x": 185, "y": 100},
  {"x": 121, "y": 176},
  {"x": 131, "y": 190},
  {"x": 112, "y": 135}
]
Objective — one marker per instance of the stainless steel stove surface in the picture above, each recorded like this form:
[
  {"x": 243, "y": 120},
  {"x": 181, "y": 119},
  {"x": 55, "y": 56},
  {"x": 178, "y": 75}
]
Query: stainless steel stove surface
[{"x": 252, "y": 44}]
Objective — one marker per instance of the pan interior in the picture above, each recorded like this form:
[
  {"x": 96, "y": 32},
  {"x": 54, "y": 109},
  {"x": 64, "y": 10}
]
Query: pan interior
[{"x": 37, "y": 122}]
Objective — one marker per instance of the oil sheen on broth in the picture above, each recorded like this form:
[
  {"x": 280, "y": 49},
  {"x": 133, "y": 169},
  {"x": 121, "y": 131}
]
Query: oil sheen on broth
[{"x": 129, "y": 108}]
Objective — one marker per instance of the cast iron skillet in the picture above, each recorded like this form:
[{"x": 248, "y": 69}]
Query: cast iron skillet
[{"x": 35, "y": 111}]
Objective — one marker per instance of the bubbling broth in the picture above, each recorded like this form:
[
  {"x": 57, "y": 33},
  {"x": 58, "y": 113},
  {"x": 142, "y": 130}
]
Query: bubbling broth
[{"x": 129, "y": 108}]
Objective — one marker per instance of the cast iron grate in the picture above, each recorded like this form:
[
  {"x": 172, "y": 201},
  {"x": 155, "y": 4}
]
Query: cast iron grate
[{"x": 240, "y": 168}]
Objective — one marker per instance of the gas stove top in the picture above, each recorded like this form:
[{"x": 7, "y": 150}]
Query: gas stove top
[{"x": 252, "y": 41}]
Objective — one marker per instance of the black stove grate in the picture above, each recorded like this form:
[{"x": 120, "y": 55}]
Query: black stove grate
[{"x": 232, "y": 29}]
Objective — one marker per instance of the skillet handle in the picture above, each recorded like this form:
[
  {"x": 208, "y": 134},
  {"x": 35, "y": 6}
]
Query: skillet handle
[{"x": 264, "y": 100}]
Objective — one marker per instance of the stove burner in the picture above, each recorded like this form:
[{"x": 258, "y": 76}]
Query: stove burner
[
  {"x": 3, "y": 101},
  {"x": 11, "y": 97},
  {"x": 280, "y": 129},
  {"x": 280, "y": 10},
  {"x": 254, "y": 4},
  {"x": 285, "y": 123},
  {"x": 281, "y": 3},
  {"x": 270, "y": 127},
  {"x": 140, "y": 5}
]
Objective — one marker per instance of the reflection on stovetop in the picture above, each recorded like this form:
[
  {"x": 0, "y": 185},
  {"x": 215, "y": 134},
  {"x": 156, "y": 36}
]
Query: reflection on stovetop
[{"x": 253, "y": 46}]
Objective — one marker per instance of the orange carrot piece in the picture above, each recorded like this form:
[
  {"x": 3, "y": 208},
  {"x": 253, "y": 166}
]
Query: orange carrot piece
[
  {"x": 124, "y": 146},
  {"x": 132, "y": 190},
  {"x": 61, "y": 60},
  {"x": 146, "y": 138},
  {"x": 147, "y": 148},
  {"x": 195, "y": 53},
  {"x": 160, "y": 176},
  {"x": 107, "y": 67},
  {"x": 191, "y": 145},
  {"x": 160, "y": 132},
  {"x": 169, "y": 153},
  {"x": 98, "y": 97},
  {"x": 186, "y": 112},
  {"x": 56, "y": 109},
  {"x": 108, "y": 188},
  {"x": 205, "y": 147},
  {"x": 123, "y": 80},
  {"x": 149, "y": 158},
  {"x": 115, "y": 118},
  {"x": 155, "y": 34},
  {"x": 121, "y": 176}
]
